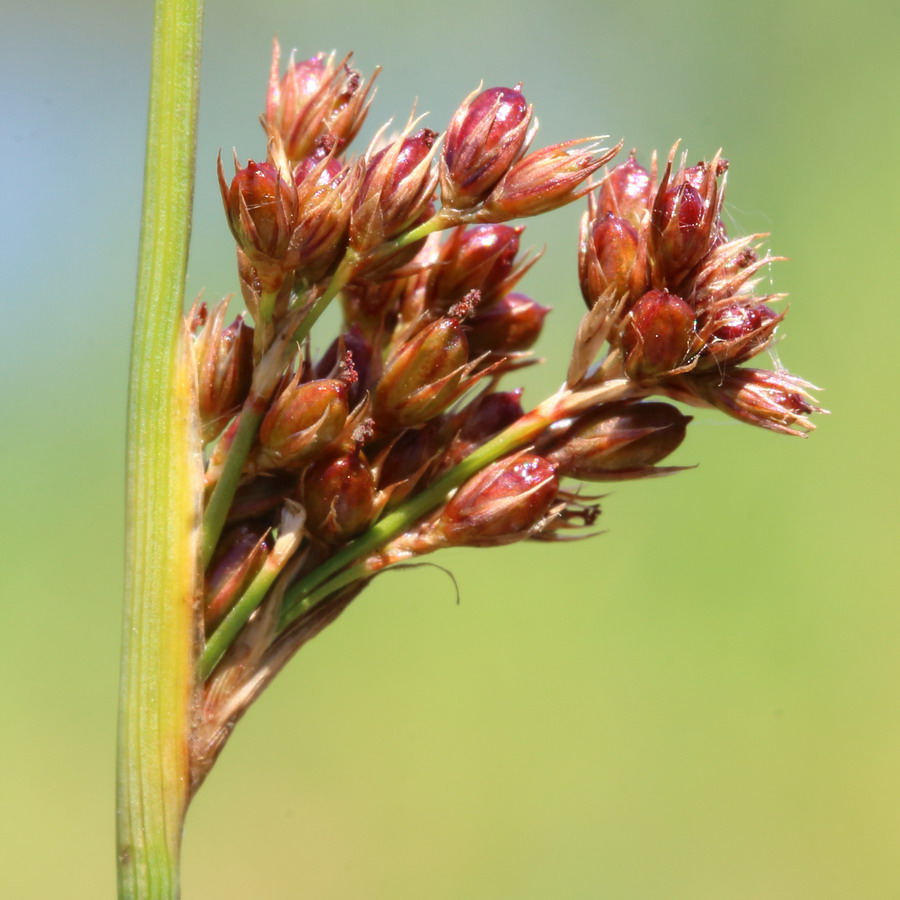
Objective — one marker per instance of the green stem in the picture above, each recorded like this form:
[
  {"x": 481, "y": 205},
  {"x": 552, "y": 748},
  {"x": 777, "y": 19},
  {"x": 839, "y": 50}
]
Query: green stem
[
  {"x": 228, "y": 629},
  {"x": 438, "y": 222},
  {"x": 223, "y": 493},
  {"x": 325, "y": 580},
  {"x": 163, "y": 487},
  {"x": 265, "y": 381},
  {"x": 338, "y": 281}
]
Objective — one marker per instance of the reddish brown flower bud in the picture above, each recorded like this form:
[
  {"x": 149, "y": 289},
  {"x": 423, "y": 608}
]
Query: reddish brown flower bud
[
  {"x": 486, "y": 136},
  {"x": 774, "y": 400},
  {"x": 611, "y": 257},
  {"x": 480, "y": 258},
  {"x": 303, "y": 420},
  {"x": 325, "y": 193},
  {"x": 224, "y": 359},
  {"x": 239, "y": 557},
  {"x": 736, "y": 333},
  {"x": 513, "y": 322},
  {"x": 545, "y": 180},
  {"x": 340, "y": 497},
  {"x": 423, "y": 376},
  {"x": 657, "y": 335},
  {"x": 396, "y": 190},
  {"x": 619, "y": 441},
  {"x": 314, "y": 97},
  {"x": 260, "y": 206},
  {"x": 626, "y": 192},
  {"x": 684, "y": 223},
  {"x": 503, "y": 503},
  {"x": 734, "y": 322}
]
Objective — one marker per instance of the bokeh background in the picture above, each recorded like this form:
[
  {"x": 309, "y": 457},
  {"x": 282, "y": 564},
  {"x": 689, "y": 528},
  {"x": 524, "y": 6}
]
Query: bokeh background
[{"x": 701, "y": 704}]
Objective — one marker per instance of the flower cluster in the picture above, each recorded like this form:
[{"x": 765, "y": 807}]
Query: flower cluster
[{"x": 397, "y": 439}]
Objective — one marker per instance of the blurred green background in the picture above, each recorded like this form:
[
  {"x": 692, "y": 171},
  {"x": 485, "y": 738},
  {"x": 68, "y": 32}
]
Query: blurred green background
[{"x": 701, "y": 704}]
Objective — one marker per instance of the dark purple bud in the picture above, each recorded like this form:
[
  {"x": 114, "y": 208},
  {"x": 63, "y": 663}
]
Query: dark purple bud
[
  {"x": 353, "y": 348},
  {"x": 260, "y": 498},
  {"x": 409, "y": 458},
  {"x": 485, "y": 417},
  {"x": 490, "y": 413}
]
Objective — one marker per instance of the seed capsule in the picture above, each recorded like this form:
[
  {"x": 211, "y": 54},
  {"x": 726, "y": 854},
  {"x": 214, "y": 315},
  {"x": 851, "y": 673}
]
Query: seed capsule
[
  {"x": 611, "y": 257},
  {"x": 422, "y": 376},
  {"x": 302, "y": 422},
  {"x": 774, "y": 400},
  {"x": 626, "y": 192},
  {"x": 684, "y": 222},
  {"x": 325, "y": 190},
  {"x": 224, "y": 359},
  {"x": 736, "y": 333},
  {"x": 239, "y": 557},
  {"x": 395, "y": 192},
  {"x": 545, "y": 180},
  {"x": 620, "y": 441},
  {"x": 339, "y": 496},
  {"x": 657, "y": 336},
  {"x": 261, "y": 208},
  {"x": 480, "y": 258},
  {"x": 512, "y": 323},
  {"x": 485, "y": 137},
  {"x": 501, "y": 504},
  {"x": 314, "y": 97}
]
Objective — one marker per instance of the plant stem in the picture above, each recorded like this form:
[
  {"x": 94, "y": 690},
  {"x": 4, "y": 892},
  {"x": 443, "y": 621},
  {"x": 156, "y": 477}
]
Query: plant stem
[
  {"x": 338, "y": 281},
  {"x": 164, "y": 483},
  {"x": 227, "y": 483},
  {"x": 266, "y": 378}
]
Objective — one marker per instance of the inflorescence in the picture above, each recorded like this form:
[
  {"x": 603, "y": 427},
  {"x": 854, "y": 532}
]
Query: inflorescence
[{"x": 397, "y": 440}]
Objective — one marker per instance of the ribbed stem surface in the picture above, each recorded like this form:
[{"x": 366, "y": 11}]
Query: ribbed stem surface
[{"x": 163, "y": 482}]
